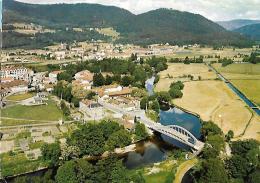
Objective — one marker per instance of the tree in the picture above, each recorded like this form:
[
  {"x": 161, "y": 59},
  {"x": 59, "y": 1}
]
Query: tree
[
  {"x": 64, "y": 108},
  {"x": 67, "y": 173},
  {"x": 51, "y": 153},
  {"x": 75, "y": 101},
  {"x": 210, "y": 128},
  {"x": 70, "y": 152},
  {"x": 144, "y": 103},
  {"x": 108, "y": 80},
  {"x": 98, "y": 79},
  {"x": 109, "y": 127},
  {"x": 85, "y": 171},
  {"x": 127, "y": 80},
  {"x": 213, "y": 170},
  {"x": 238, "y": 166},
  {"x": 140, "y": 131},
  {"x": 175, "y": 93},
  {"x": 163, "y": 97},
  {"x": 89, "y": 139},
  {"x": 229, "y": 135},
  {"x": 118, "y": 139},
  {"x": 255, "y": 176},
  {"x": 155, "y": 106}
]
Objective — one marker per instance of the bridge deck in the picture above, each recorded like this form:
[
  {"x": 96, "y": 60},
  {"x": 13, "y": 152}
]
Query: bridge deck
[{"x": 179, "y": 134}]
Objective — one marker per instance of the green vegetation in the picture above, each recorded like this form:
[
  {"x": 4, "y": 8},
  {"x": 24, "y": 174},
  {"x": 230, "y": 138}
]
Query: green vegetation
[
  {"x": 51, "y": 153},
  {"x": 175, "y": 89},
  {"x": 140, "y": 131},
  {"x": 49, "y": 112},
  {"x": 245, "y": 159},
  {"x": 157, "y": 26},
  {"x": 18, "y": 163},
  {"x": 20, "y": 97},
  {"x": 248, "y": 69},
  {"x": 225, "y": 62},
  {"x": 250, "y": 88},
  {"x": 106, "y": 170},
  {"x": 95, "y": 139}
]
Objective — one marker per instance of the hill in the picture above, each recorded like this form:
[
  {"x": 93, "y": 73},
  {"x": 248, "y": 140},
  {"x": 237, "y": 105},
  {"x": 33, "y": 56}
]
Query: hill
[
  {"x": 157, "y": 26},
  {"x": 72, "y": 15},
  {"x": 252, "y": 31},
  {"x": 172, "y": 26},
  {"x": 235, "y": 24}
]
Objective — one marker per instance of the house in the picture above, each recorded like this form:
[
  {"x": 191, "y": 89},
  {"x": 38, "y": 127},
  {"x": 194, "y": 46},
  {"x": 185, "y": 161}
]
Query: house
[
  {"x": 17, "y": 73},
  {"x": 16, "y": 86},
  {"x": 112, "y": 91},
  {"x": 53, "y": 76},
  {"x": 84, "y": 77}
]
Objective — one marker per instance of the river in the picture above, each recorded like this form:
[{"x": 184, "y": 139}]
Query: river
[{"x": 155, "y": 149}]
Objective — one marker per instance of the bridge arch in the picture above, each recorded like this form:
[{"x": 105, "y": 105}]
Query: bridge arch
[{"x": 179, "y": 129}]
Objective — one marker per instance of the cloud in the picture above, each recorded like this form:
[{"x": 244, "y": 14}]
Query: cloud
[{"x": 214, "y": 10}]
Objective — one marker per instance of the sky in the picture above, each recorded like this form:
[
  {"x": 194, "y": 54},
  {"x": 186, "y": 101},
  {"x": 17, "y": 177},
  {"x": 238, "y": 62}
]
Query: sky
[{"x": 215, "y": 10}]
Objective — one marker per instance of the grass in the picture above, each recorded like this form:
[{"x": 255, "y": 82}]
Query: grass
[
  {"x": 18, "y": 164},
  {"x": 48, "y": 112},
  {"x": 20, "y": 97},
  {"x": 251, "y": 88},
  {"x": 165, "y": 172},
  {"x": 152, "y": 115},
  {"x": 248, "y": 69},
  {"x": 36, "y": 145},
  {"x": 13, "y": 122}
]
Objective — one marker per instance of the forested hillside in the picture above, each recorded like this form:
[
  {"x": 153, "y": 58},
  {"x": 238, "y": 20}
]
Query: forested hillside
[
  {"x": 252, "y": 31},
  {"x": 157, "y": 26}
]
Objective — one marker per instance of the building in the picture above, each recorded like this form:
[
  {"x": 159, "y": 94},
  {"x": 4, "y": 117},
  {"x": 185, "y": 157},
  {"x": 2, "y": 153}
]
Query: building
[
  {"x": 17, "y": 73},
  {"x": 113, "y": 91},
  {"x": 92, "y": 110},
  {"x": 84, "y": 77},
  {"x": 16, "y": 86},
  {"x": 53, "y": 76}
]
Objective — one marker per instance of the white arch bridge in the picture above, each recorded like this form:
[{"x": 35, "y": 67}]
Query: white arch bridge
[{"x": 176, "y": 132}]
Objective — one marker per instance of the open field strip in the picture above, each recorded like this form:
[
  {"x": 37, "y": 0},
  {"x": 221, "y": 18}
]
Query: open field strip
[
  {"x": 20, "y": 97},
  {"x": 251, "y": 88},
  {"x": 18, "y": 114},
  {"x": 176, "y": 72},
  {"x": 213, "y": 100}
]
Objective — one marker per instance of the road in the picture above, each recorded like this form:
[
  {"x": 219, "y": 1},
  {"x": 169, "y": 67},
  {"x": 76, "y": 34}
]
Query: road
[{"x": 183, "y": 169}]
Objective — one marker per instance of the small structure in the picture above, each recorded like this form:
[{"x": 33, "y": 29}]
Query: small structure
[
  {"x": 53, "y": 76},
  {"x": 92, "y": 110}
]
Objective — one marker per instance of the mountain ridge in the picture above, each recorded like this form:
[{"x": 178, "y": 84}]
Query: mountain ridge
[{"x": 156, "y": 26}]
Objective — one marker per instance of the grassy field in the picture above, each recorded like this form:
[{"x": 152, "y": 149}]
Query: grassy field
[
  {"x": 20, "y": 97},
  {"x": 213, "y": 100},
  {"x": 160, "y": 172},
  {"x": 248, "y": 69},
  {"x": 48, "y": 112},
  {"x": 246, "y": 77},
  {"x": 196, "y": 52},
  {"x": 17, "y": 164},
  {"x": 178, "y": 71},
  {"x": 251, "y": 88}
]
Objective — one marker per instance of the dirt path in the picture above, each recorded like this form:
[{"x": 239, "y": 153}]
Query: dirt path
[{"x": 183, "y": 168}]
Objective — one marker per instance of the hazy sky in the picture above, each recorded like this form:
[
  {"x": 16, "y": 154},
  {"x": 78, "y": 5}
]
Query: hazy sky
[{"x": 212, "y": 9}]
